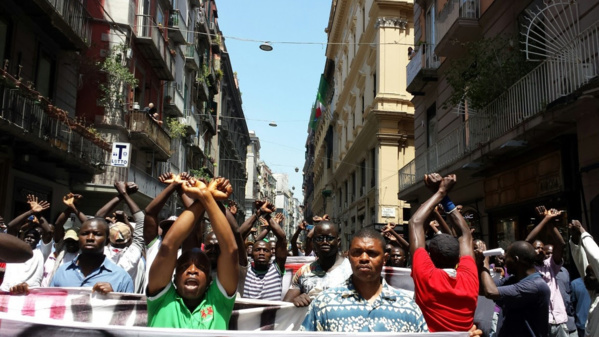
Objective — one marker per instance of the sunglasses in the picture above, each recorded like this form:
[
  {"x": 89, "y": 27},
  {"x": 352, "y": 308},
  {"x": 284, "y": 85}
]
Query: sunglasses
[{"x": 327, "y": 238}]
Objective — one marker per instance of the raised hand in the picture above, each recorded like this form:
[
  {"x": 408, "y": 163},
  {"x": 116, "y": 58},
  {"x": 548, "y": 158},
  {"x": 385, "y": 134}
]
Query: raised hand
[
  {"x": 258, "y": 204},
  {"x": 131, "y": 187},
  {"x": 279, "y": 217},
  {"x": 447, "y": 183},
  {"x": 326, "y": 217},
  {"x": 316, "y": 218},
  {"x": 167, "y": 178},
  {"x": 120, "y": 187},
  {"x": 37, "y": 206},
  {"x": 233, "y": 208},
  {"x": 541, "y": 210},
  {"x": 302, "y": 225},
  {"x": 69, "y": 200},
  {"x": 220, "y": 188},
  {"x": 267, "y": 207},
  {"x": 432, "y": 181},
  {"x": 388, "y": 227},
  {"x": 553, "y": 213},
  {"x": 576, "y": 230},
  {"x": 264, "y": 223},
  {"x": 479, "y": 247},
  {"x": 195, "y": 188},
  {"x": 184, "y": 176},
  {"x": 434, "y": 225}
]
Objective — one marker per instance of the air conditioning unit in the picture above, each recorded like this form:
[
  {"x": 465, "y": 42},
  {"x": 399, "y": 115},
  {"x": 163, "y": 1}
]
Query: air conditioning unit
[{"x": 211, "y": 26}]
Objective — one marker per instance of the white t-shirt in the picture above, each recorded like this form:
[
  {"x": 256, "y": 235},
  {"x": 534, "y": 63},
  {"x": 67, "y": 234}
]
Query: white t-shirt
[{"x": 30, "y": 271}]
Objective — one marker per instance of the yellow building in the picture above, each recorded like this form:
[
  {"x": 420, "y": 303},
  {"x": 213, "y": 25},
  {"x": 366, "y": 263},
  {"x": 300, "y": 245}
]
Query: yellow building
[{"x": 365, "y": 133}]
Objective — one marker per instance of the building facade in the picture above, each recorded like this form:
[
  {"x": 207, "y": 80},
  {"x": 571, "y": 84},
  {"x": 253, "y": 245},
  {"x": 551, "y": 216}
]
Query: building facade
[
  {"x": 365, "y": 128},
  {"x": 90, "y": 74},
  {"x": 518, "y": 127},
  {"x": 233, "y": 135},
  {"x": 44, "y": 149}
]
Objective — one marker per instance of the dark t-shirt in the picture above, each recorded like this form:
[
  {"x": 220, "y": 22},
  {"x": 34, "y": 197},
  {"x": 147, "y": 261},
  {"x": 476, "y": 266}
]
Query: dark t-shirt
[{"x": 524, "y": 307}]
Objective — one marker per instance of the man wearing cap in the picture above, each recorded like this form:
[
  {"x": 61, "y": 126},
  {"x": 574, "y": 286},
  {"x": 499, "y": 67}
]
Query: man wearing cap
[
  {"x": 126, "y": 243},
  {"x": 66, "y": 254},
  {"x": 191, "y": 300}
]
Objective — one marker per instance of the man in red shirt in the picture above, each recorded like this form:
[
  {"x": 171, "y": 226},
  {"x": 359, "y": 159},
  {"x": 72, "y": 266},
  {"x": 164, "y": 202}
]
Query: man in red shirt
[{"x": 445, "y": 276}]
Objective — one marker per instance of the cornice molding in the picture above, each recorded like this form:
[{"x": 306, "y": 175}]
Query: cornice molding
[{"x": 391, "y": 23}]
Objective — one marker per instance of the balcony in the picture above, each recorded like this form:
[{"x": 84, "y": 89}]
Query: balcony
[
  {"x": 174, "y": 104},
  {"x": 505, "y": 117},
  {"x": 154, "y": 48},
  {"x": 192, "y": 59},
  {"x": 147, "y": 184},
  {"x": 149, "y": 135},
  {"x": 457, "y": 22},
  {"x": 203, "y": 91},
  {"x": 191, "y": 124},
  {"x": 422, "y": 69},
  {"x": 37, "y": 127},
  {"x": 66, "y": 21},
  {"x": 177, "y": 30},
  {"x": 209, "y": 120}
]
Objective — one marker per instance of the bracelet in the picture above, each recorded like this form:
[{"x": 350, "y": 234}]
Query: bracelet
[{"x": 447, "y": 204}]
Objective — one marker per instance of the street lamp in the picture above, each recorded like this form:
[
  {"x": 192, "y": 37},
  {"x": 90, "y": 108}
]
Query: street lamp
[
  {"x": 266, "y": 46},
  {"x": 273, "y": 124}
]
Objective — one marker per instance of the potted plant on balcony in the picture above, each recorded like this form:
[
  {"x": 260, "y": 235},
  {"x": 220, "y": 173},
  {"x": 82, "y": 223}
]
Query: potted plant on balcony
[
  {"x": 118, "y": 79},
  {"x": 176, "y": 128}
]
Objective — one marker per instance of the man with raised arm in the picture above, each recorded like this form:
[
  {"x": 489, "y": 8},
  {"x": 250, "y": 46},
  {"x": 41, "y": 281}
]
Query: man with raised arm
[
  {"x": 550, "y": 267},
  {"x": 438, "y": 283},
  {"x": 30, "y": 272},
  {"x": 264, "y": 279},
  {"x": 192, "y": 300},
  {"x": 585, "y": 254},
  {"x": 523, "y": 296}
]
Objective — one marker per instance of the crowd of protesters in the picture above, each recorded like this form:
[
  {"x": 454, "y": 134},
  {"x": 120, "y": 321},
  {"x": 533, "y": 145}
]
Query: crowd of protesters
[{"x": 191, "y": 272}]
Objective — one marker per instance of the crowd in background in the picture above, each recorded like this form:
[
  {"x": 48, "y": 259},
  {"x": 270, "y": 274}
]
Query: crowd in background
[{"x": 193, "y": 266}]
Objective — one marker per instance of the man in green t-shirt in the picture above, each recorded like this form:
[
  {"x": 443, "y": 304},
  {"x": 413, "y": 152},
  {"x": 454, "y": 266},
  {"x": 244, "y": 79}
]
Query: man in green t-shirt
[{"x": 192, "y": 300}]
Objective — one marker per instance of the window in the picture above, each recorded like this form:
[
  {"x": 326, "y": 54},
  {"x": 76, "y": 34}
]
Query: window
[
  {"x": 44, "y": 79},
  {"x": 373, "y": 86},
  {"x": 4, "y": 39},
  {"x": 372, "y": 167},
  {"x": 431, "y": 125},
  {"x": 430, "y": 25},
  {"x": 362, "y": 176},
  {"x": 353, "y": 186},
  {"x": 363, "y": 109}
]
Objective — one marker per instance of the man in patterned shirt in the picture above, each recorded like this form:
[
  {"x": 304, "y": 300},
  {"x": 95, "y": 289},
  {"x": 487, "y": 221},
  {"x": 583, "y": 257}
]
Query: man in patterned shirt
[
  {"x": 365, "y": 303},
  {"x": 330, "y": 269}
]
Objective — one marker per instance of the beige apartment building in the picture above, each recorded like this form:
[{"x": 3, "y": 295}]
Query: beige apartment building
[
  {"x": 506, "y": 96},
  {"x": 365, "y": 133}
]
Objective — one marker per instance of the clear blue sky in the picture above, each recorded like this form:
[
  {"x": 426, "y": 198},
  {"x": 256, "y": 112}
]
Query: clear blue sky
[{"x": 279, "y": 85}]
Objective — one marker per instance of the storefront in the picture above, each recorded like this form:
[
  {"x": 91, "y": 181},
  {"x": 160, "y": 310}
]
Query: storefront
[{"x": 512, "y": 195}]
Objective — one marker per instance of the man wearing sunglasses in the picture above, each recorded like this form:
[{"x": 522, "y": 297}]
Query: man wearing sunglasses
[{"x": 330, "y": 269}]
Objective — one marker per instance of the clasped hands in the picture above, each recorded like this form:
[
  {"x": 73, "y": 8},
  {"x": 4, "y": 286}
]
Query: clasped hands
[{"x": 196, "y": 188}]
